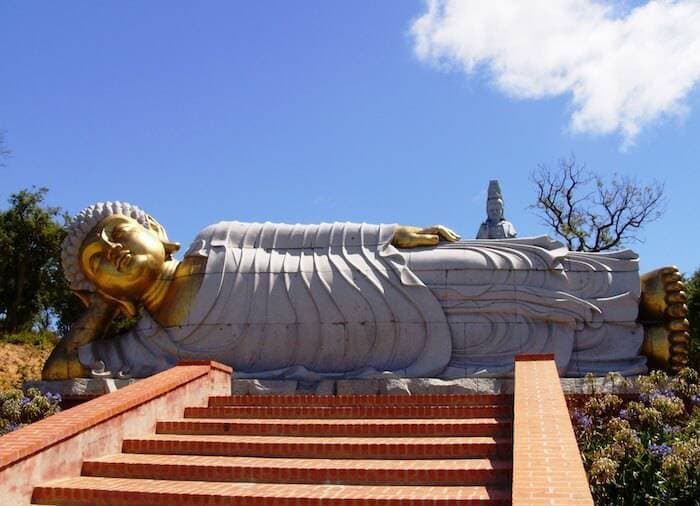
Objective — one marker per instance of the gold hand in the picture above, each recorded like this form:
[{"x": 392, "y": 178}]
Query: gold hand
[
  {"x": 445, "y": 233},
  {"x": 63, "y": 363},
  {"x": 413, "y": 237}
]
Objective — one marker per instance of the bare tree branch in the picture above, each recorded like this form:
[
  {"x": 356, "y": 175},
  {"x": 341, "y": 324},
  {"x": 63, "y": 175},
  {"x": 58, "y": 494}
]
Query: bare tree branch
[
  {"x": 4, "y": 150},
  {"x": 590, "y": 214}
]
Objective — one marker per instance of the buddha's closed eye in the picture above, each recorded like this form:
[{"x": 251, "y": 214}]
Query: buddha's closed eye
[
  {"x": 115, "y": 251},
  {"x": 118, "y": 232},
  {"x": 111, "y": 245}
]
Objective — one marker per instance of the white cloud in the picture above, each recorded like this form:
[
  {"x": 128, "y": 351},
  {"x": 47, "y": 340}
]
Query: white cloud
[{"x": 623, "y": 66}]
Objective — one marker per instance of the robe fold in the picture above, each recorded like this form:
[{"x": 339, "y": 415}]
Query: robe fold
[
  {"x": 305, "y": 301},
  {"x": 337, "y": 300}
]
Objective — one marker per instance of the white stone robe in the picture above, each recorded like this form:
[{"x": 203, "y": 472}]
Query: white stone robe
[
  {"x": 296, "y": 301},
  {"x": 532, "y": 295},
  {"x": 338, "y": 300}
]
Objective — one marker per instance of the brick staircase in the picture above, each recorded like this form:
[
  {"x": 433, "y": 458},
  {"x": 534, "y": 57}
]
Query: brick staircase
[{"x": 311, "y": 450}]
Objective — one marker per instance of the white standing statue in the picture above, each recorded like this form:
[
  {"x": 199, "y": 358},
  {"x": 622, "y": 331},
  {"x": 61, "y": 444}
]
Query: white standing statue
[
  {"x": 495, "y": 226},
  {"x": 343, "y": 300}
]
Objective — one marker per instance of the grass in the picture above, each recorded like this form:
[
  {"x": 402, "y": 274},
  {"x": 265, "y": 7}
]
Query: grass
[{"x": 38, "y": 339}]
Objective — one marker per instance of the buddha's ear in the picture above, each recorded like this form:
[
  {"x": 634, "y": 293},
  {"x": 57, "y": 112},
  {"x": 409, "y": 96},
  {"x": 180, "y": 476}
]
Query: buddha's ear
[
  {"x": 157, "y": 228},
  {"x": 170, "y": 247}
]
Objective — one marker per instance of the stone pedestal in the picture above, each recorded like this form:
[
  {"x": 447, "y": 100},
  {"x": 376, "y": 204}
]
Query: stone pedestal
[
  {"x": 417, "y": 386},
  {"x": 79, "y": 389},
  {"x": 82, "y": 389}
]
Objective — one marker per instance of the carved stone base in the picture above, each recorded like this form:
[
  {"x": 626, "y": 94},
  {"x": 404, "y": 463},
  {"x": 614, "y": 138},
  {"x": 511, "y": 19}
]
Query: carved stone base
[
  {"x": 79, "y": 388},
  {"x": 416, "y": 386},
  {"x": 87, "y": 388}
]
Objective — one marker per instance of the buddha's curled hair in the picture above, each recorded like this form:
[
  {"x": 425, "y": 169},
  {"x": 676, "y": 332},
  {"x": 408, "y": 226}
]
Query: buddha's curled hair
[{"x": 81, "y": 226}]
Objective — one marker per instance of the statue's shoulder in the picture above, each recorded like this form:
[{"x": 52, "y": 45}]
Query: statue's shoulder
[
  {"x": 269, "y": 235},
  {"x": 217, "y": 234},
  {"x": 483, "y": 232}
]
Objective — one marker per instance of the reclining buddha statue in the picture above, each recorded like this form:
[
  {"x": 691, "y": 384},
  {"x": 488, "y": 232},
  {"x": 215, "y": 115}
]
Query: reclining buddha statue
[{"x": 349, "y": 300}]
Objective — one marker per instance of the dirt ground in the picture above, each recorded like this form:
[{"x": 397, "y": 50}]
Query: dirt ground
[{"x": 20, "y": 362}]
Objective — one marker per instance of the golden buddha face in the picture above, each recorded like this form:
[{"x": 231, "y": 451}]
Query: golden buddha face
[{"x": 122, "y": 258}]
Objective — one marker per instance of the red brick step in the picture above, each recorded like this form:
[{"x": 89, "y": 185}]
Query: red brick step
[
  {"x": 362, "y": 400},
  {"x": 334, "y": 427},
  {"x": 118, "y": 491},
  {"x": 288, "y": 470},
  {"x": 329, "y": 447},
  {"x": 356, "y": 411},
  {"x": 312, "y": 450}
]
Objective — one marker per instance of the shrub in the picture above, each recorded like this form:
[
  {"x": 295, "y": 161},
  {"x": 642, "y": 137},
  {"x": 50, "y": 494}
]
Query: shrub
[
  {"x": 644, "y": 451},
  {"x": 18, "y": 409},
  {"x": 44, "y": 339}
]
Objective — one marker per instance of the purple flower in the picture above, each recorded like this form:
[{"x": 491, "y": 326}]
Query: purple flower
[
  {"x": 668, "y": 429},
  {"x": 659, "y": 450},
  {"x": 24, "y": 401},
  {"x": 695, "y": 400},
  {"x": 52, "y": 397},
  {"x": 625, "y": 414},
  {"x": 647, "y": 397},
  {"x": 670, "y": 394},
  {"x": 12, "y": 427},
  {"x": 582, "y": 420}
]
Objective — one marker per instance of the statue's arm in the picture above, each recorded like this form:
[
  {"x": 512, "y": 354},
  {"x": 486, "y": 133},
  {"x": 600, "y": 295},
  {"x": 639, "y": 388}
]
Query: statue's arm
[
  {"x": 413, "y": 237},
  {"x": 63, "y": 363}
]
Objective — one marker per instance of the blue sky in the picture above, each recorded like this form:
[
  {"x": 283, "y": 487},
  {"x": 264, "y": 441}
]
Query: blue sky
[{"x": 321, "y": 111}]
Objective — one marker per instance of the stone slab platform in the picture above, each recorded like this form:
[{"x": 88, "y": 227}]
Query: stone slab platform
[
  {"x": 93, "y": 387},
  {"x": 80, "y": 387}
]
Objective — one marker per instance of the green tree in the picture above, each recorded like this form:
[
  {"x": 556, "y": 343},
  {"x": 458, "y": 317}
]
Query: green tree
[
  {"x": 591, "y": 214},
  {"x": 30, "y": 265},
  {"x": 693, "y": 289},
  {"x": 34, "y": 293}
]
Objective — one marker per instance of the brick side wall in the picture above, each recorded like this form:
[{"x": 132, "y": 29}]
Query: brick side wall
[
  {"x": 547, "y": 466},
  {"x": 56, "y": 446}
]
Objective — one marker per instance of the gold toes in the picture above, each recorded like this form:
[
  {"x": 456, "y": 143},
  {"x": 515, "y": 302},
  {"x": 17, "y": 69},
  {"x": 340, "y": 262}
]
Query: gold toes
[
  {"x": 679, "y": 325},
  {"x": 674, "y": 286},
  {"x": 663, "y": 312},
  {"x": 679, "y": 361},
  {"x": 677, "y": 311},
  {"x": 677, "y": 297},
  {"x": 679, "y": 338}
]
